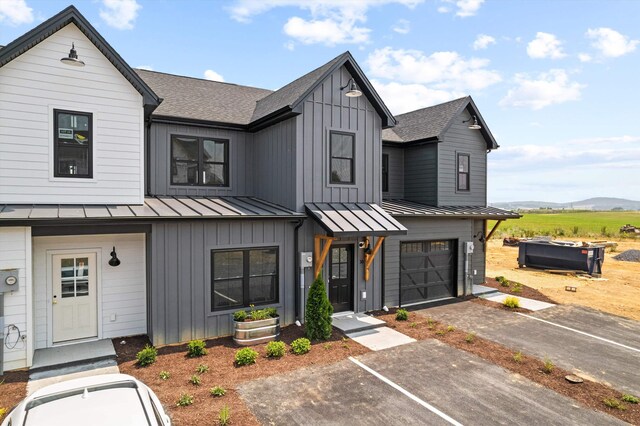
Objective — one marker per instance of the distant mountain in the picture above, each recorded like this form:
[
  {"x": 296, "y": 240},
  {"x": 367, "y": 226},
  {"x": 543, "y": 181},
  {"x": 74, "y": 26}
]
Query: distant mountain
[{"x": 599, "y": 203}]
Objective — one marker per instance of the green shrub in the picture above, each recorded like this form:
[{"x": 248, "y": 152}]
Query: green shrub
[
  {"x": 164, "y": 375},
  {"x": 327, "y": 346},
  {"x": 511, "y": 302},
  {"x": 246, "y": 356},
  {"x": 547, "y": 365},
  {"x": 300, "y": 346},
  {"x": 225, "y": 416},
  {"x": 413, "y": 325},
  {"x": 196, "y": 348},
  {"x": 239, "y": 316},
  {"x": 217, "y": 391},
  {"x": 630, "y": 399},
  {"x": 503, "y": 281},
  {"x": 575, "y": 230},
  {"x": 614, "y": 403},
  {"x": 195, "y": 380},
  {"x": 3, "y": 411},
  {"x": 517, "y": 357},
  {"x": 271, "y": 312},
  {"x": 147, "y": 356},
  {"x": 276, "y": 349},
  {"x": 441, "y": 332},
  {"x": 185, "y": 400},
  {"x": 258, "y": 314},
  {"x": 470, "y": 337},
  {"x": 516, "y": 287},
  {"x": 318, "y": 313},
  {"x": 402, "y": 315},
  {"x": 202, "y": 368},
  {"x": 450, "y": 328}
]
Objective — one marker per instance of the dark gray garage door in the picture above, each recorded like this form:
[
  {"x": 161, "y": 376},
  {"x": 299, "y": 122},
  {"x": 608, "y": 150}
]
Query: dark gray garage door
[{"x": 427, "y": 270}]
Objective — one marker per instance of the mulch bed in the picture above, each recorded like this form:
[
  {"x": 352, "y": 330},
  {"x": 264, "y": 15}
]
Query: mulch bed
[
  {"x": 528, "y": 292},
  {"x": 13, "y": 388},
  {"x": 222, "y": 372},
  {"x": 589, "y": 394}
]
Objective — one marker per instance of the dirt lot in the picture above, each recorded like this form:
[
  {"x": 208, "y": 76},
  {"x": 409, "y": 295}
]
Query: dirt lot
[{"x": 618, "y": 293}]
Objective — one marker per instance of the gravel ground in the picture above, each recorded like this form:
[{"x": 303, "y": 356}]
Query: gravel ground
[{"x": 629, "y": 256}]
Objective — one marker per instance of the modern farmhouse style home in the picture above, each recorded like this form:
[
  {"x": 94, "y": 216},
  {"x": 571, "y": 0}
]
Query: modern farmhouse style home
[{"x": 138, "y": 202}]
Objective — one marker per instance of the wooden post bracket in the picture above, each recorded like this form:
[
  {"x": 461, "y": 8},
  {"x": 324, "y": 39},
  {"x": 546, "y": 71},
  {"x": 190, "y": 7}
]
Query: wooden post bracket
[
  {"x": 368, "y": 257},
  {"x": 494, "y": 229},
  {"x": 320, "y": 253}
]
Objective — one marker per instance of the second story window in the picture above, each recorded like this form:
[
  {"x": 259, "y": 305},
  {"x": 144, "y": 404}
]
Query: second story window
[
  {"x": 463, "y": 172},
  {"x": 342, "y": 151},
  {"x": 72, "y": 144},
  {"x": 199, "y": 161},
  {"x": 385, "y": 172}
]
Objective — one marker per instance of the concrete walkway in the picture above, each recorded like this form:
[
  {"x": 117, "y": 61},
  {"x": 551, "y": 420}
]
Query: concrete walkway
[
  {"x": 590, "y": 343},
  {"x": 530, "y": 304},
  {"x": 380, "y": 338}
]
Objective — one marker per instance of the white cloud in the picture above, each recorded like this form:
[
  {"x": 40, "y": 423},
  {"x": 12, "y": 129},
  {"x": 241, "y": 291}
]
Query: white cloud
[
  {"x": 545, "y": 45},
  {"x": 212, "y": 75},
  {"x": 548, "y": 88},
  {"x": 145, "y": 67},
  {"x": 402, "y": 26},
  {"x": 120, "y": 14},
  {"x": 611, "y": 43},
  {"x": 330, "y": 22},
  {"x": 464, "y": 8},
  {"x": 584, "y": 57},
  {"x": 483, "y": 41},
  {"x": 441, "y": 70},
  {"x": 402, "y": 98},
  {"x": 15, "y": 12},
  {"x": 290, "y": 45}
]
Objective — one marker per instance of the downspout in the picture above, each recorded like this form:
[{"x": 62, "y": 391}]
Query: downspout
[
  {"x": 296, "y": 266},
  {"x": 147, "y": 184}
]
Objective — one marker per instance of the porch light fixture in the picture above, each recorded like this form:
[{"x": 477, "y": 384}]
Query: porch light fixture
[
  {"x": 114, "y": 261},
  {"x": 353, "y": 91},
  {"x": 72, "y": 59},
  {"x": 474, "y": 125}
]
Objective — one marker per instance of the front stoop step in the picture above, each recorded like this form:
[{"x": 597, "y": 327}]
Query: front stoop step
[
  {"x": 72, "y": 355},
  {"x": 484, "y": 291},
  {"x": 353, "y": 323}
]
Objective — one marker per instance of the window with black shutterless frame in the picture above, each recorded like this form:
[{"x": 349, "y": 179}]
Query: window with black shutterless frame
[
  {"x": 199, "y": 161},
  {"x": 72, "y": 144}
]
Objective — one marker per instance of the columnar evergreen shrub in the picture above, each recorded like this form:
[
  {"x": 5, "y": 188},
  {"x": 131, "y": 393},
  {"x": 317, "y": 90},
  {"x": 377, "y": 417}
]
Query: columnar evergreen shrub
[{"x": 318, "y": 313}]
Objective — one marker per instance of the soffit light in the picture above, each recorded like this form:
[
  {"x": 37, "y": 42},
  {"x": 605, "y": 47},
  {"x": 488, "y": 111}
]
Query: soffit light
[
  {"x": 72, "y": 59},
  {"x": 353, "y": 91}
]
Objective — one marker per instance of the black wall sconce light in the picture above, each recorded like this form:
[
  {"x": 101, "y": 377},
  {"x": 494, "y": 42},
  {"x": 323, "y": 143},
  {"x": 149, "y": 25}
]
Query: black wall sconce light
[
  {"x": 480, "y": 236},
  {"x": 72, "y": 59},
  {"x": 114, "y": 261}
]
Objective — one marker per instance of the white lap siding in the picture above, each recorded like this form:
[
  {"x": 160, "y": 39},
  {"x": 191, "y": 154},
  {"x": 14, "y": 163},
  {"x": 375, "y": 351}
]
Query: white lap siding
[
  {"x": 121, "y": 290},
  {"x": 15, "y": 253},
  {"x": 31, "y": 87}
]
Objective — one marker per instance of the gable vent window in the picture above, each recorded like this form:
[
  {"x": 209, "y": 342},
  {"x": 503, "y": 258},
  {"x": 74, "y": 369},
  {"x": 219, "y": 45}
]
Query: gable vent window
[
  {"x": 463, "y": 172},
  {"x": 199, "y": 161},
  {"x": 385, "y": 172},
  {"x": 342, "y": 148},
  {"x": 73, "y": 144}
]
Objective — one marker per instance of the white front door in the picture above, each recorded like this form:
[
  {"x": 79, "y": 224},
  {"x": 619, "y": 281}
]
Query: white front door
[{"x": 75, "y": 306}]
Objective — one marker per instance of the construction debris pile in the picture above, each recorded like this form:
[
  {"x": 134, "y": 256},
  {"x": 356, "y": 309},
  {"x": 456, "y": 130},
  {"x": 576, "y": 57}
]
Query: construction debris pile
[
  {"x": 629, "y": 229},
  {"x": 629, "y": 256}
]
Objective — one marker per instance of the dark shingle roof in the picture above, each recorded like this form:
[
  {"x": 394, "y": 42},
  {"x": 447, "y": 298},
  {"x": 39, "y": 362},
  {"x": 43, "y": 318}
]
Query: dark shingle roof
[
  {"x": 199, "y": 99},
  {"x": 289, "y": 94},
  {"x": 425, "y": 123}
]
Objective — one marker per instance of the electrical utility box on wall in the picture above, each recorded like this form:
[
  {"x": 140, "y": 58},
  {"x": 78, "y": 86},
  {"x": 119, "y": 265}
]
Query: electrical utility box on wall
[
  {"x": 468, "y": 247},
  {"x": 9, "y": 280},
  {"x": 306, "y": 259}
]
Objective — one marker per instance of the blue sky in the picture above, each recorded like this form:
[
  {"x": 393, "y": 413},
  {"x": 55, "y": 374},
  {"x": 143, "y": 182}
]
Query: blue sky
[{"x": 556, "y": 81}]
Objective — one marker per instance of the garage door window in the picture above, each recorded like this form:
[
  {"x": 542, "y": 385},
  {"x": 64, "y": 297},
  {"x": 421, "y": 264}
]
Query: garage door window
[{"x": 427, "y": 270}]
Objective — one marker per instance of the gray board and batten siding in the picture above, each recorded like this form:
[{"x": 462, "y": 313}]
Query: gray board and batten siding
[
  {"x": 396, "y": 172},
  {"x": 432, "y": 229},
  {"x": 180, "y": 294},
  {"x": 421, "y": 173},
  {"x": 326, "y": 109}
]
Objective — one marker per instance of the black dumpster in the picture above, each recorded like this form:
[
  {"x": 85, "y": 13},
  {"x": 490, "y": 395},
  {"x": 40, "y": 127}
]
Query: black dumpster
[{"x": 550, "y": 255}]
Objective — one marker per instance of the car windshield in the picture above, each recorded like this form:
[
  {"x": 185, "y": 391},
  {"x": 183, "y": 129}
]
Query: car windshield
[{"x": 111, "y": 406}]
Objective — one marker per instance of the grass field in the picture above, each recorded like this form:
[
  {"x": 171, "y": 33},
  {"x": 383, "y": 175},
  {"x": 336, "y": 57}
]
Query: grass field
[{"x": 568, "y": 224}]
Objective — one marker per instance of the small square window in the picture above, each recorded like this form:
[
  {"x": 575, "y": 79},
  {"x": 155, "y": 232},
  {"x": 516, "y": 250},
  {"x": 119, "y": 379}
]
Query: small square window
[
  {"x": 72, "y": 144},
  {"x": 199, "y": 161},
  {"x": 342, "y": 152}
]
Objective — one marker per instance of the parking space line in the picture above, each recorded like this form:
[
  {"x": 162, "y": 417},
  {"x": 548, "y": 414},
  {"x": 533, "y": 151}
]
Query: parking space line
[
  {"x": 405, "y": 392},
  {"x": 580, "y": 332}
]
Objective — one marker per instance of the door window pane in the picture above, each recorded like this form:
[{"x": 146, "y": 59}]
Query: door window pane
[{"x": 74, "y": 277}]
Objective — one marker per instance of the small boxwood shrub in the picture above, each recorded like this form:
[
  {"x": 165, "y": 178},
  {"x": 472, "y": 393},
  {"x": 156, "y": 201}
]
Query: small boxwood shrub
[
  {"x": 196, "y": 348},
  {"x": 185, "y": 400},
  {"x": 301, "y": 346},
  {"x": 246, "y": 356},
  {"x": 217, "y": 391},
  {"x": 469, "y": 338},
  {"x": 276, "y": 349},
  {"x": 517, "y": 357},
  {"x": 239, "y": 316},
  {"x": 402, "y": 315},
  {"x": 511, "y": 302},
  {"x": 147, "y": 356}
]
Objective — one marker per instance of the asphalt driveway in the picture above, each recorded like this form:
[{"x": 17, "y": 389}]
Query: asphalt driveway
[
  {"x": 420, "y": 383},
  {"x": 593, "y": 344}
]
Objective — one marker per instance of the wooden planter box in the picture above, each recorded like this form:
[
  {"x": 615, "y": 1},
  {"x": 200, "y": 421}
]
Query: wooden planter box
[{"x": 249, "y": 333}]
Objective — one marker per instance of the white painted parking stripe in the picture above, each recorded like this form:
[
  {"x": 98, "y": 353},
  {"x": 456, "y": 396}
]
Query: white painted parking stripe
[
  {"x": 581, "y": 332},
  {"x": 405, "y": 392}
]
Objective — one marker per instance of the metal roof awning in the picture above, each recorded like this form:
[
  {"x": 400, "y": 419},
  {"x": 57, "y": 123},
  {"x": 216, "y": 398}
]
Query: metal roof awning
[
  {"x": 404, "y": 208},
  {"x": 354, "y": 219},
  {"x": 154, "y": 208}
]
